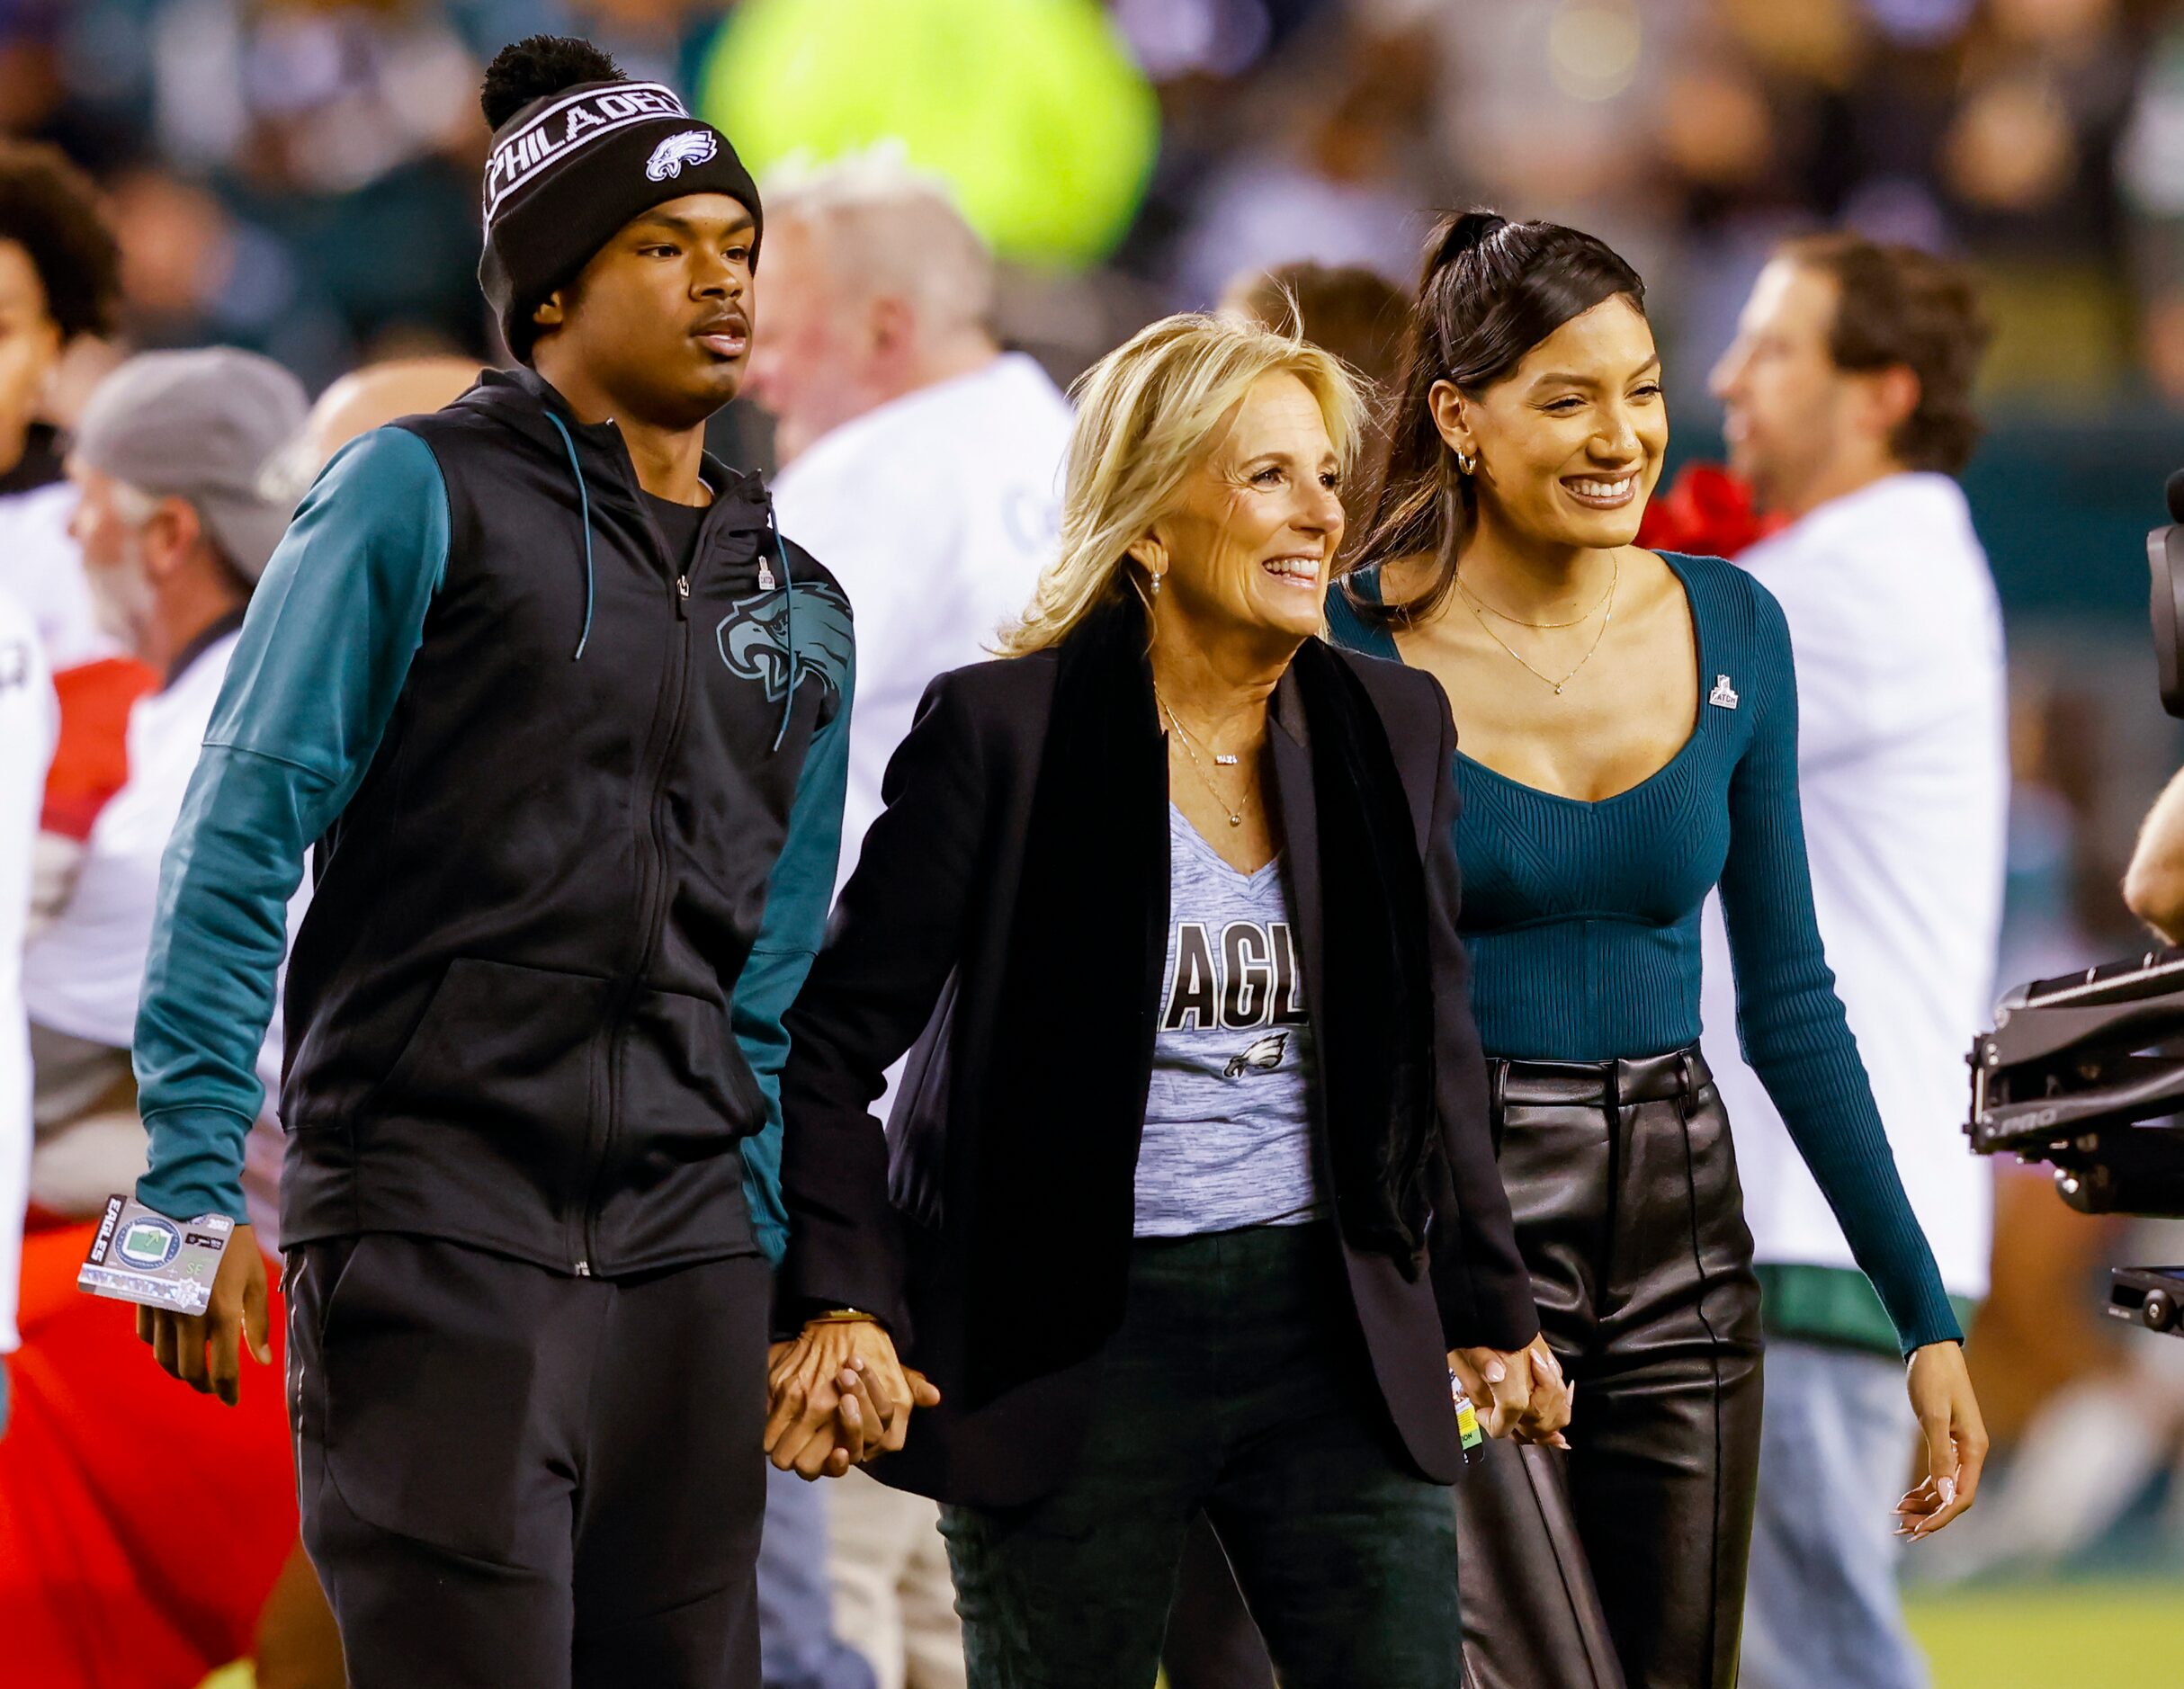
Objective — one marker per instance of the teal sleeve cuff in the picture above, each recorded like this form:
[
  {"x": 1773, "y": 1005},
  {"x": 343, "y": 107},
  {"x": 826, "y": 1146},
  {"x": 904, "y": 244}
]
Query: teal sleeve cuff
[{"x": 196, "y": 1157}]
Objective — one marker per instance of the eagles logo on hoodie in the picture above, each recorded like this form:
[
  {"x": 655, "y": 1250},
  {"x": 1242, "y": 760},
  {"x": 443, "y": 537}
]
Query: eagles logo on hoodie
[{"x": 754, "y": 639}]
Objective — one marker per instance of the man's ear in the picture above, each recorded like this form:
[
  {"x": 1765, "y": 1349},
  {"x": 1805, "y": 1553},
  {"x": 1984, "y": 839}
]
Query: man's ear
[
  {"x": 892, "y": 322},
  {"x": 1893, "y": 396},
  {"x": 170, "y": 536},
  {"x": 552, "y": 312}
]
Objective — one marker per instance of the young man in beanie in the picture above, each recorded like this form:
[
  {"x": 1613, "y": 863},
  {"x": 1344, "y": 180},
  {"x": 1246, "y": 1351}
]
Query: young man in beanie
[{"x": 566, "y": 720}]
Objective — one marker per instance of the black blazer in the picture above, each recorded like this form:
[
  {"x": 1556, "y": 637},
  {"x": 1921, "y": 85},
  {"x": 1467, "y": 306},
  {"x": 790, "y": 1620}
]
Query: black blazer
[{"x": 918, "y": 951}]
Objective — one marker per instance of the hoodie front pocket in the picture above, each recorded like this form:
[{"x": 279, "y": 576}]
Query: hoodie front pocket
[
  {"x": 504, "y": 1057},
  {"x": 685, "y": 1090}
]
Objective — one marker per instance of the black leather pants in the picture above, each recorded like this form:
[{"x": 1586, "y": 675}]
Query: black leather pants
[{"x": 1621, "y": 1563}]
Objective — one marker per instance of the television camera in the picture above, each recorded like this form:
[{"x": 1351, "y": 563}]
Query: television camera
[{"x": 2086, "y": 1072}]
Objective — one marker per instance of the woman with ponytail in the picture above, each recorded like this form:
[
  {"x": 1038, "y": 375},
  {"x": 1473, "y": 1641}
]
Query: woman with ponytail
[{"x": 1628, "y": 726}]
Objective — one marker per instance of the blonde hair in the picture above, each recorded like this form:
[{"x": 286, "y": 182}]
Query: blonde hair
[{"x": 1147, "y": 414}]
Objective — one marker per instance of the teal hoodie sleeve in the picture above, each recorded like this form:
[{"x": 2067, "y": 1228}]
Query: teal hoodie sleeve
[
  {"x": 325, "y": 650},
  {"x": 799, "y": 892}
]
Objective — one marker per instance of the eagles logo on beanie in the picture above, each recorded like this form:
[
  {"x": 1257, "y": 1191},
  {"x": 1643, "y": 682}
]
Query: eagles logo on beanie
[{"x": 579, "y": 149}]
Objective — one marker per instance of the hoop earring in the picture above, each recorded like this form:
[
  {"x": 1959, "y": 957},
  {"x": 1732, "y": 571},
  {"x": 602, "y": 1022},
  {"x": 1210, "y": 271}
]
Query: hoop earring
[{"x": 1466, "y": 462}]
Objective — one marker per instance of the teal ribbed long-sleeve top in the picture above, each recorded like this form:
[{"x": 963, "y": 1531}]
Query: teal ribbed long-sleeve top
[{"x": 1583, "y": 920}]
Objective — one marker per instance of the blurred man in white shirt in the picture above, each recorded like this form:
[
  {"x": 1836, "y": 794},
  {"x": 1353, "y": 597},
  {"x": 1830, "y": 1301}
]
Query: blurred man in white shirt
[
  {"x": 911, "y": 445},
  {"x": 1849, "y": 399},
  {"x": 28, "y": 720},
  {"x": 923, "y": 461}
]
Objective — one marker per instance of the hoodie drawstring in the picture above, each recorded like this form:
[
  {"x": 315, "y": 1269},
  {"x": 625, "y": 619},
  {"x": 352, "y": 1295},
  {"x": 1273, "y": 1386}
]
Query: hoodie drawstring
[
  {"x": 583, "y": 511},
  {"x": 788, "y": 593},
  {"x": 781, "y": 551}
]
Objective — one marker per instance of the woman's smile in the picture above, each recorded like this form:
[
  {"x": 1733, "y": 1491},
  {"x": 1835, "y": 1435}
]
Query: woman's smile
[
  {"x": 1597, "y": 492},
  {"x": 1299, "y": 569}
]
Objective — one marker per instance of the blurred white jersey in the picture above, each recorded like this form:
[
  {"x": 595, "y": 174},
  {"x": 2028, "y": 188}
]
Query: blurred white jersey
[
  {"x": 28, "y": 720},
  {"x": 41, "y": 567},
  {"x": 1903, "y": 770},
  {"x": 82, "y": 973},
  {"x": 936, "y": 513}
]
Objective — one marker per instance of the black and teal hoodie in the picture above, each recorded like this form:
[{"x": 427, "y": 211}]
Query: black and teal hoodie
[{"x": 575, "y": 819}]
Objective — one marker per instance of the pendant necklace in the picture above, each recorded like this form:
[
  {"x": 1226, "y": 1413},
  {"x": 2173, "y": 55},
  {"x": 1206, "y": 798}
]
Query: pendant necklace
[
  {"x": 1236, "y": 815},
  {"x": 1606, "y": 604}
]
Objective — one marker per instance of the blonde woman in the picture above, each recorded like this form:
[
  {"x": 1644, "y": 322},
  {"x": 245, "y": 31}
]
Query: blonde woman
[{"x": 1190, "y": 1202}]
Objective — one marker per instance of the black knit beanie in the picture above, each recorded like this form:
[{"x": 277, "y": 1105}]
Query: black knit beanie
[{"x": 579, "y": 149}]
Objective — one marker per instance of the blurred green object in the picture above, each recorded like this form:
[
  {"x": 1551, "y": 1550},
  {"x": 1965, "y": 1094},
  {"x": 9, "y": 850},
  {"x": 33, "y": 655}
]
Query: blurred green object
[{"x": 1032, "y": 110}]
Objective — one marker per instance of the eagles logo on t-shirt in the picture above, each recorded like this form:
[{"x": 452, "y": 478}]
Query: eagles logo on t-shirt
[{"x": 1246, "y": 979}]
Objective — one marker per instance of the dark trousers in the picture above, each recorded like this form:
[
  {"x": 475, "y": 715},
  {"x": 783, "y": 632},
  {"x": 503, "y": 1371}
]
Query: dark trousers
[
  {"x": 1238, "y": 1386},
  {"x": 508, "y": 1475},
  {"x": 1624, "y": 1186},
  {"x": 1212, "y": 1642}
]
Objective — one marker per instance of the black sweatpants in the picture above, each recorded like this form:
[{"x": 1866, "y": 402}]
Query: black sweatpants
[{"x": 509, "y": 1476}]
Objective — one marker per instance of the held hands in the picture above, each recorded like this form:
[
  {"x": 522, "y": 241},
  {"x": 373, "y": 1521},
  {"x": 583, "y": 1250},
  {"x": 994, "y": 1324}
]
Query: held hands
[
  {"x": 1955, "y": 1437},
  {"x": 1520, "y": 1395},
  {"x": 203, "y": 1349},
  {"x": 840, "y": 1397}
]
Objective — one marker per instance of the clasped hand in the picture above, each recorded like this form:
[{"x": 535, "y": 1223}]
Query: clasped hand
[
  {"x": 840, "y": 1396},
  {"x": 1520, "y": 1395}
]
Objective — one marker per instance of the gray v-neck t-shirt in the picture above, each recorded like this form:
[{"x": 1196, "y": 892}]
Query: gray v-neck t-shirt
[{"x": 1227, "y": 1118}]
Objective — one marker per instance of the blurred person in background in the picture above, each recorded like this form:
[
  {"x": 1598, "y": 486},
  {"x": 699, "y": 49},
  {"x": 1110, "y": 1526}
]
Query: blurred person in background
[
  {"x": 374, "y": 396},
  {"x": 1848, "y": 398},
  {"x": 179, "y": 512},
  {"x": 179, "y": 507},
  {"x": 924, "y": 462},
  {"x": 60, "y": 286},
  {"x": 1615, "y": 774},
  {"x": 28, "y": 720},
  {"x": 910, "y": 444},
  {"x": 59, "y": 281},
  {"x": 1356, "y": 313}
]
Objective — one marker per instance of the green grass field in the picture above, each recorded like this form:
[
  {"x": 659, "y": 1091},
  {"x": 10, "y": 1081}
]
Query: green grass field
[
  {"x": 2054, "y": 1636},
  {"x": 2036, "y": 1636}
]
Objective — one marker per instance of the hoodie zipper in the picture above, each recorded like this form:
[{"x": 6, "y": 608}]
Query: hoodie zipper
[{"x": 652, "y": 861}]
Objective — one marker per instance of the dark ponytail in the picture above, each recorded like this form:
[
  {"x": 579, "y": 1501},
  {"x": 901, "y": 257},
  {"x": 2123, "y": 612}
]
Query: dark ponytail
[{"x": 1492, "y": 289}]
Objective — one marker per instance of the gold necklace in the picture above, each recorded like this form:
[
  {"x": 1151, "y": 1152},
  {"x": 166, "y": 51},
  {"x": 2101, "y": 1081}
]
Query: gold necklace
[
  {"x": 1549, "y": 680},
  {"x": 1236, "y": 815},
  {"x": 1478, "y": 603}
]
